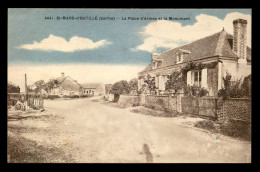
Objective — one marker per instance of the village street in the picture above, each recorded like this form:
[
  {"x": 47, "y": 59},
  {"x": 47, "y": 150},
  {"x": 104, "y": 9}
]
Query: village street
[{"x": 91, "y": 132}]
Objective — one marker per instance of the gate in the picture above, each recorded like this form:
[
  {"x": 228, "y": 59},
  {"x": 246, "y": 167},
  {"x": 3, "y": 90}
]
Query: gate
[{"x": 200, "y": 106}]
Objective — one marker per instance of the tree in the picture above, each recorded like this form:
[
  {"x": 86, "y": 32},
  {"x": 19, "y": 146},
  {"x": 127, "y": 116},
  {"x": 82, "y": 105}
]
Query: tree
[
  {"x": 149, "y": 83},
  {"x": 121, "y": 87},
  {"x": 246, "y": 86},
  {"x": 52, "y": 83},
  {"x": 12, "y": 88},
  {"x": 235, "y": 89},
  {"x": 39, "y": 86},
  {"x": 133, "y": 84},
  {"x": 175, "y": 81}
]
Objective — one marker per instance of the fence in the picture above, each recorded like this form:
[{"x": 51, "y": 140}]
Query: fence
[
  {"x": 209, "y": 107},
  {"x": 27, "y": 101},
  {"x": 200, "y": 106}
]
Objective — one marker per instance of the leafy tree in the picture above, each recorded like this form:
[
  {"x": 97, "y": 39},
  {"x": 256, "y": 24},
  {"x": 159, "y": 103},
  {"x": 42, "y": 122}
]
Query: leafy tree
[
  {"x": 176, "y": 81},
  {"x": 246, "y": 86},
  {"x": 133, "y": 84},
  {"x": 12, "y": 88},
  {"x": 52, "y": 83},
  {"x": 121, "y": 87},
  {"x": 235, "y": 89},
  {"x": 150, "y": 83},
  {"x": 39, "y": 85}
]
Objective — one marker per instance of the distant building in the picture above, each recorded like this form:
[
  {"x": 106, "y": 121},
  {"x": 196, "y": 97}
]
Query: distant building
[
  {"x": 220, "y": 52},
  {"x": 93, "y": 89},
  {"x": 67, "y": 86}
]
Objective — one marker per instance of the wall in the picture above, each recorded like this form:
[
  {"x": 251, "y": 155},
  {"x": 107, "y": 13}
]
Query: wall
[
  {"x": 229, "y": 66},
  {"x": 237, "y": 70},
  {"x": 161, "y": 102},
  {"x": 128, "y": 100},
  {"x": 212, "y": 79},
  {"x": 235, "y": 109},
  {"x": 243, "y": 70},
  {"x": 100, "y": 90}
]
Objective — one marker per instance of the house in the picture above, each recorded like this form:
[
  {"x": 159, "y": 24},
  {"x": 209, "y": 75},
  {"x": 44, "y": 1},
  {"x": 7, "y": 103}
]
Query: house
[
  {"x": 219, "y": 53},
  {"x": 67, "y": 86},
  {"x": 93, "y": 89}
]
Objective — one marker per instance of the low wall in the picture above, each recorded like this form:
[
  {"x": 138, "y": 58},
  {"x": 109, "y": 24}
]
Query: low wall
[
  {"x": 128, "y": 100},
  {"x": 235, "y": 108},
  {"x": 161, "y": 102}
]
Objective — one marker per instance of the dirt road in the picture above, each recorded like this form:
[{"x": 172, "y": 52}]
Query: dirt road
[{"x": 88, "y": 131}]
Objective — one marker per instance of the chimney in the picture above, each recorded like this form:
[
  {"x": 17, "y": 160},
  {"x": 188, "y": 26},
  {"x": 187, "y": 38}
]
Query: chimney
[
  {"x": 62, "y": 74},
  {"x": 154, "y": 56},
  {"x": 239, "y": 39}
]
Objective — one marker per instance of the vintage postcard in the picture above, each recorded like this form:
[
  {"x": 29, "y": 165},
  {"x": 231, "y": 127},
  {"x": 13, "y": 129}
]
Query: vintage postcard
[{"x": 129, "y": 85}]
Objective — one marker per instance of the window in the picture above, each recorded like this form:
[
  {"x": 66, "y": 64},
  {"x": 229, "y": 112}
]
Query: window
[
  {"x": 197, "y": 78},
  {"x": 179, "y": 57},
  {"x": 154, "y": 65}
]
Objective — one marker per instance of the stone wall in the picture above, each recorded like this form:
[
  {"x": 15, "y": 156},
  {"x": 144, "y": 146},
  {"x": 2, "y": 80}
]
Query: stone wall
[
  {"x": 235, "y": 108},
  {"x": 128, "y": 101},
  {"x": 161, "y": 102}
]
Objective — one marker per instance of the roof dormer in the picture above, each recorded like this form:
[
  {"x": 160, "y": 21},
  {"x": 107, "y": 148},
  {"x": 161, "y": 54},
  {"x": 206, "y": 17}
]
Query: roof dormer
[
  {"x": 156, "y": 60},
  {"x": 181, "y": 54}
]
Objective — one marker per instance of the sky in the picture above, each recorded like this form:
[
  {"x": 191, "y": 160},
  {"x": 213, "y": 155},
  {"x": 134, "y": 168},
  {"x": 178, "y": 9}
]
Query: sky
[{"x": 103, "y": 45}]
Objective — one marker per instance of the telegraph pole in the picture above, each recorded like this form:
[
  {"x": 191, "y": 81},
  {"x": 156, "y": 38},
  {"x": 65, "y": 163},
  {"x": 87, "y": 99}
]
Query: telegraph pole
[{"x": 26, "y": 93}]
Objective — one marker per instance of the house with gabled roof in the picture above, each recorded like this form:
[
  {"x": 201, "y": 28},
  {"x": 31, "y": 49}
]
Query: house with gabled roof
[
  {"x": 93, "y": 89},
  {"x": 67, "y": 86},
  {"x": 220, "y": 53}
]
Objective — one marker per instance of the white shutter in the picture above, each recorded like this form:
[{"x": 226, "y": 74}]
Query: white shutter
[
  {"x": 163, "y": 82},
  {"x": 139, "y": 84},
  {"x": 189, "y": 78},
  {"x": 159, "y": 82},
  {"x": 156, "y": 81},
  {"x": 142, "y": 82},
  {"x": 204, "y": 78}
]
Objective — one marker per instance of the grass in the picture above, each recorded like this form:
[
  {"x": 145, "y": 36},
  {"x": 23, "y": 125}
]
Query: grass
[
  {"x": 152, "y": 112},
  {"x": 205, "y": 124},
  {"x": 233, "y": 128},
  {"x": 21, "y": 150},
  {"x": 236, "y": 128}
]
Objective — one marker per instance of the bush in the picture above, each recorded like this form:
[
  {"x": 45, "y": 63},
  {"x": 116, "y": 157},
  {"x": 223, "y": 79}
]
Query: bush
[
  {"x": 195, "y": 91},
  {"x": 53, "y": 97},
  {"x": 235, "y": 89},
  {"x": 237, "y": 128},
  {"x": 83, "y": 96},
  {"x": 70, "y": 96},
  {"x": 205, "y": 124}
]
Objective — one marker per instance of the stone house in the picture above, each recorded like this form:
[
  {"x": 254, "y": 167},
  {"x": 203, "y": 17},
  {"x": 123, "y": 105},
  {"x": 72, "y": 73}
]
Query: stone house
[
  {"x": 220, "y": 53},
  {"x": 67, "y": 86},
  {"x": 93, "y": 89}
]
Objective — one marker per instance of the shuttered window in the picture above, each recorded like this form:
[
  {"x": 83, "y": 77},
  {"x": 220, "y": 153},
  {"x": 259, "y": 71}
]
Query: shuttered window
[{"x": 197, "y": 78}]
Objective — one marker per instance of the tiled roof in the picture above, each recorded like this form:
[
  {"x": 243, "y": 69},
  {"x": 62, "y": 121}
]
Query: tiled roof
[
  {"x": 90, "y": 85},
  {"x": 214, "y": 45},
  {"x": 67, "y": 83}
]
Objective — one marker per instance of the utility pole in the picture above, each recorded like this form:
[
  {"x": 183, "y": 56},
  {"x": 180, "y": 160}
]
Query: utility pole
[{"x": 26, "y": 93}]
